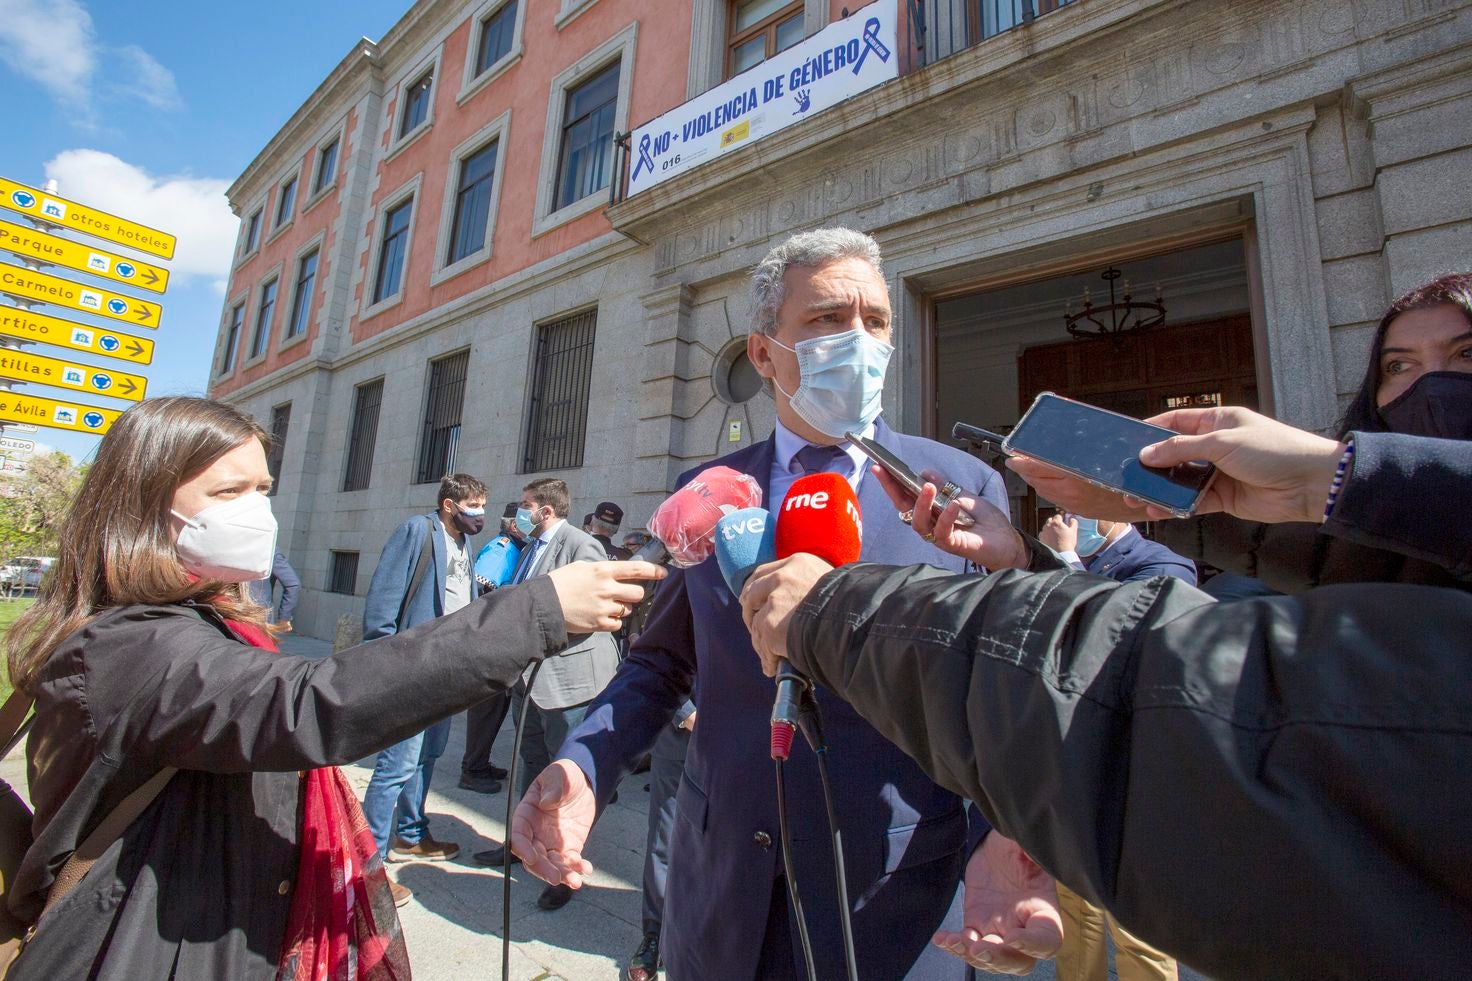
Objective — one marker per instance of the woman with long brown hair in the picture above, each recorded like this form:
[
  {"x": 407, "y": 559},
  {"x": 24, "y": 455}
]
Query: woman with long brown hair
[{"x": 146, "y": 656}]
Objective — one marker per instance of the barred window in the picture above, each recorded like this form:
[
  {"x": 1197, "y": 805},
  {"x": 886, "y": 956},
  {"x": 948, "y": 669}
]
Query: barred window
[
  {"x": 557, "y": 412},
  {"x": 280, "y": 422},
  {"x": 342, "y": 573},
  {"x": 441, "y": 435},
  {"x": 363, "y": 436}
]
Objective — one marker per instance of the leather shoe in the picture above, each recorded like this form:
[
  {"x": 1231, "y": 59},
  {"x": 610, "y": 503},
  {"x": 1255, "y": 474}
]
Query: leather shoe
[
  {"x": 555, "y": 897},
  {"x": 479, "y": 784},
  {"x": 401, "y": 894},
  {"x": 644, "y": 965},
  {"x": 426, "y": 849},
  {"x": 489, "y": 770},
  {"x": 495, "y": 857}
]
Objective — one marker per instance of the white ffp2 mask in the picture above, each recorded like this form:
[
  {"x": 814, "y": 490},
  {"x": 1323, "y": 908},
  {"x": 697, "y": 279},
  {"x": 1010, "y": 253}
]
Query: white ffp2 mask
[{"x": 234, "y": 541}]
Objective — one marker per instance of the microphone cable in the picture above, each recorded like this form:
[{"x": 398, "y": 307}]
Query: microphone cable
[
  {"x": 810, "y": 719},
  {"x": 793, "y": 896},
  {"x": 511, "y": 803}
]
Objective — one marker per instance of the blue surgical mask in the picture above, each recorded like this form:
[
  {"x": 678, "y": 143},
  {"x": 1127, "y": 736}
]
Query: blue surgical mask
[
  {"x": 841, "y": 382},
  {"x": 1089, "y": 539},
  {"x": 524, "y": 522}
]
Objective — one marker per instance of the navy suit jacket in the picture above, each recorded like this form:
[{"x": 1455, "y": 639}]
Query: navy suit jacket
[
  {"x": 1135, "y": 557},
  {"x": 904, "y": 837}
]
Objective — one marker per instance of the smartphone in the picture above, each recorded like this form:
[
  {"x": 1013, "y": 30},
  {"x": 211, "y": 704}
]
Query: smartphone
[
  {"x": 907, "y": 479},
  {"x": 1103, "y": 448}
]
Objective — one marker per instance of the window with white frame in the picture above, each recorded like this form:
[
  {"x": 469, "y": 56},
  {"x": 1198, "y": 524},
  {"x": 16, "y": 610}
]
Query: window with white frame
[
  {"x": 416, "y": 103},
  {"x": 393, "y": 250},
  {"x": 286, "y": 202},
  {"x": 497, "y": 35},
  {"x": 301, "y": 300},
  {"x": 261, "y": 338},
  {"x": 758, "y": 29},
  {"x": 588, "y": 103},
  {"x": 252, "y": 232},
  {"x": 326, "y": 166},
  {"x": 585, "y": 158},
  {"x": 232, "y": 338},
  {"x": 469, "y": 227}
]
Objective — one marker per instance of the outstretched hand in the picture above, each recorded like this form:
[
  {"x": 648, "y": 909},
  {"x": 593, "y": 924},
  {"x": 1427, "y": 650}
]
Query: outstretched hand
[
  {"x": 991, "y": 542},
  {"x": 552, "y": 822},
  {"x": 1010, "y": 911}
]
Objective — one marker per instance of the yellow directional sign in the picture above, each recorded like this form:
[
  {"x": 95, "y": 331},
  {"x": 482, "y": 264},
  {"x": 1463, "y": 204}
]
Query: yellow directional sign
[
  {"x": 30, "y": 285},
  {"x": 69, "y": 214},
  {"x": 27, "y": 325},
  {"x": 76, "y": 416},
  {"x": 41, "y": 247},
  {"x": 26, "y": 367}
]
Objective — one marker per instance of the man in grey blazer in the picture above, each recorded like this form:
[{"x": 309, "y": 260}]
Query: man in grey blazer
[
  {"x": 423, "y": 572},
  {"x": 568, "y": 682}
]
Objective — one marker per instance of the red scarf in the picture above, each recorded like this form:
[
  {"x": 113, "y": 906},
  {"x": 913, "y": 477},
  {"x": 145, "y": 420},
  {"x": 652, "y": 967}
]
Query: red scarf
[{"x": 343, "y": 925}]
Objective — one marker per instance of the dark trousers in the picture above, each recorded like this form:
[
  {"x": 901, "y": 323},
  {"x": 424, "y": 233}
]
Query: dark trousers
[
  {"x": 482, "y": 724},
  {"x": 545, "y": 731},
  {"x": 667, "y": 766}
]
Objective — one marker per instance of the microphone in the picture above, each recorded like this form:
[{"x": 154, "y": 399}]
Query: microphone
[
  {"x": 684, "y": 526},
  {"x": 819, "y": 516},
  {"x": 744, "y": 541}
]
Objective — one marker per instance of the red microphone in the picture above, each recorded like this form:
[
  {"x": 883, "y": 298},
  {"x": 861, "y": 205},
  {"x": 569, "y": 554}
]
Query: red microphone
[
  {"x": 684, "y": 526},
  {"x": 819, "y": 516}
]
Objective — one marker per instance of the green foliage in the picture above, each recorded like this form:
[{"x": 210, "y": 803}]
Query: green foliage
[
  {"x": 33, "y": 504},
  {"x": 10, "y": 611}
]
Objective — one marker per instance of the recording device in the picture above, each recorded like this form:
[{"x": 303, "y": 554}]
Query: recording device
[
  {"x": 745, "y": 540},
  {"x": 907, "y": 479},
  {"x": 819, "y": 516},
  {"x": 684, "y": 526},
  {"x": 1103, "y": 448}
]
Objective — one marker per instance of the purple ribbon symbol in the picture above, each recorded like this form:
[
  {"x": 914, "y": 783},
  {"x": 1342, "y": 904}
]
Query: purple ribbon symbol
[
  {"x": 871, "y": 43},
  {"x": 645, "y": 160}
]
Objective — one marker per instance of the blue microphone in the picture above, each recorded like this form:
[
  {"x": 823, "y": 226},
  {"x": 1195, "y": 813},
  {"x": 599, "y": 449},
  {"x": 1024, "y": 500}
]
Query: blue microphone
[{"x": 745, "y": 540}]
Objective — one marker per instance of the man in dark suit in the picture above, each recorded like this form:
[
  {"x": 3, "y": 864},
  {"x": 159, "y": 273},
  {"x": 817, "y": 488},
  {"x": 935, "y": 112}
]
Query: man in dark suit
[
  {"x": 566, "y": 683},
  {"x": 821, "y": 336},
  {"x": 423, "y": 572},
  {"x": 1113, "y": 549}
]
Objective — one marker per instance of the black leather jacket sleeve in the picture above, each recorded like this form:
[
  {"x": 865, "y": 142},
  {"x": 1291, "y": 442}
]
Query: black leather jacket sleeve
[{"x": 1273, "y": 787}]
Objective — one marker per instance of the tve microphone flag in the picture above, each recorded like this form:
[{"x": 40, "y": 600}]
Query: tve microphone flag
[{"x": 745, "y": 539}]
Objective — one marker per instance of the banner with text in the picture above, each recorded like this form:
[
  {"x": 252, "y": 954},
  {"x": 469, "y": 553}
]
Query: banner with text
[{"x": 838, "y": 62}]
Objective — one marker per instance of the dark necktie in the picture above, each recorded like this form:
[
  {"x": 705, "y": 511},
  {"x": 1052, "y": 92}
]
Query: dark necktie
[
  {"x": 528, "y": 557},
  {"x": 824, "y": 459}
]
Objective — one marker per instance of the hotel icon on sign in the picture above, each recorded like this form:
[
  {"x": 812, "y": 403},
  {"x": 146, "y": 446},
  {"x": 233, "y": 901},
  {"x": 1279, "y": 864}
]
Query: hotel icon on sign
[
  {"x": 74, "y": 376},
  {"x": 53, "y": 209},
  {"x": 97, "y": 263},
  {"x": 64, "y": 415}
]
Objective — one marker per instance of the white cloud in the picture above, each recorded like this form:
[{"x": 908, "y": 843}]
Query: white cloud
[
  {"x": 140, "y": 76},
  {"x": 193, "y": 208},
  {"x": 54, "y": 43},
  {"x": 51, "y": 42}
]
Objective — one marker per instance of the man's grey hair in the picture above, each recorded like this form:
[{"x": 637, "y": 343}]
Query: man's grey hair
[
  {"x": 601, "y": 527},
  {"x": 803, "y": 250}
]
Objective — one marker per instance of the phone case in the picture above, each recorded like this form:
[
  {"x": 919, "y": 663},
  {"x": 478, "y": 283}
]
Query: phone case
[{"x": 1177, "y": 512}]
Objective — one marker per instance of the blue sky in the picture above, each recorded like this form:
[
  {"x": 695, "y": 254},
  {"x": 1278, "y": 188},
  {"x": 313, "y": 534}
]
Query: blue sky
[{"x": 151, "y": 110}]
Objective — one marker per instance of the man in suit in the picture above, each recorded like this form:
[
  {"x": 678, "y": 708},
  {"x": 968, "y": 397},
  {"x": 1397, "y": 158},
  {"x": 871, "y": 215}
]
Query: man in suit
[
  {"x": 263, "y": 591},
  {"x": 568, "y": 682},
  {"x": 494, "y": 567},
  {"x": 423, "y": 572},
  {"x": 1115, "y": 550},
  {"x": 821, "y": 335}
]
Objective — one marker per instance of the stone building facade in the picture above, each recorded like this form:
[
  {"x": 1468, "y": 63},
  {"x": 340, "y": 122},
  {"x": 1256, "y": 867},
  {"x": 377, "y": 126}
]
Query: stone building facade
[{"x": 1277, "y": 169}]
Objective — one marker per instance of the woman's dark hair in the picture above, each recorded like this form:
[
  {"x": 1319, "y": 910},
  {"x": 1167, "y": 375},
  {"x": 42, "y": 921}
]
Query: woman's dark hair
[
  {"x": 116, "y": 545},
  {"x": 1455, "y": 290}
]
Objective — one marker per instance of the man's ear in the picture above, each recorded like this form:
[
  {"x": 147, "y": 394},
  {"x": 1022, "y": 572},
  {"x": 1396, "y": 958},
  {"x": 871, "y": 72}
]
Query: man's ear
[{"x": 759, "y": 355}]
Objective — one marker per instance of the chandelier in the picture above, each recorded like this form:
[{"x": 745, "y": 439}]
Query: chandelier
[{"x": 1124, "y": 314}]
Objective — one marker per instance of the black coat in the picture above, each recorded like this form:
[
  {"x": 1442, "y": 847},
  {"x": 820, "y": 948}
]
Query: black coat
[{"x": 199, "y": 886}]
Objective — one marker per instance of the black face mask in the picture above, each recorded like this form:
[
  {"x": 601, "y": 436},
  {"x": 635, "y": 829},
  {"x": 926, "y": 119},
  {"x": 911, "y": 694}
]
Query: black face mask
[
  {"x": 471, "y": 524},
  {"x": 1439, "y": 404}
]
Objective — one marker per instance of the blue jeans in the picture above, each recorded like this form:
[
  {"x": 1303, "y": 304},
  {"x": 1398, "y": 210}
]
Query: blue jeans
[{"x": 400, "y": 785}]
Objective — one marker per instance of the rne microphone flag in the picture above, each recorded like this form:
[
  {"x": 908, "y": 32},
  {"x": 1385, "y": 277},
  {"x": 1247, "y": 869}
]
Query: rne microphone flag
[
  {"x": 820, "y": 516},
  {"x": 686, "y": 522}
]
